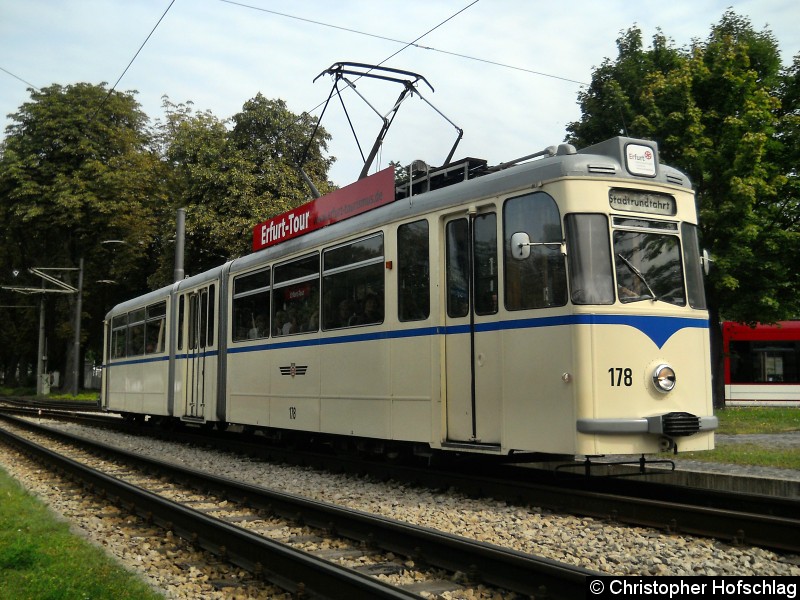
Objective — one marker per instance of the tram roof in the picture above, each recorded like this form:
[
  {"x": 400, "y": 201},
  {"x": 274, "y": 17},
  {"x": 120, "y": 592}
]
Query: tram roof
[
  {"x": 606, "y": 159},
  {"x": 600, "y": 160}
]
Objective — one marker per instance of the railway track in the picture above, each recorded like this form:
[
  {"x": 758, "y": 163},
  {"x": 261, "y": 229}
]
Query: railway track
[
  {"x": 246, "y": 507},
  {"x": 63, "y": 405},
  {"x": 769, "y": 522}
]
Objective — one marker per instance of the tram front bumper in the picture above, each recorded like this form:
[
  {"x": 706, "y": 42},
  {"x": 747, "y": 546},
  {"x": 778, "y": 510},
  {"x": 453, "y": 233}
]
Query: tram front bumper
[{"x": 670, "y": 424}]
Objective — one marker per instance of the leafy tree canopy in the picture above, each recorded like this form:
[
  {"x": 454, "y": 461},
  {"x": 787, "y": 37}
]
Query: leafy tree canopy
[
  {"x": 81, "y": 165},
  {"x": 75, "y": 170},
  {"x": 724, "y": 112},
  {"x": 233, "y": 174}
]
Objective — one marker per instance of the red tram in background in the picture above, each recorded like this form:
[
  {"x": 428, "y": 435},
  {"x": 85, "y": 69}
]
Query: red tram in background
[{"x": 762, "y": 364}]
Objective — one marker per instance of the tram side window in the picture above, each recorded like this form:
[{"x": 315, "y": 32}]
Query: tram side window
[
  {"x": 589, "y": 254},
  {"x": 457, "y": 268},
  {"x": 207, "y": 306},
  {"x": 181, "y": 311},
  {"x": 295, "y": 296},
  {"x": 540, "y": 280},
  {"x": 211, "y": 323},
  {"x": 485, "y": 261},
  {"x": 155, "y": 328},
  {"x": 119, "y": 336},
  {"x": 765, "y": 362},
  {"x": 413, "y": 272},
  {"x": 251, "y": 306},
  {"x": 353, "y": 284},
  {"x": 136, "y": 321},
  {"x": 201, "y": 318},
  {"x": 193, "y": 323},
  {"x": 691, "y": 264}
]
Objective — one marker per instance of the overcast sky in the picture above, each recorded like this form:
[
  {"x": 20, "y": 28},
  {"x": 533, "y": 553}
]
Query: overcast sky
[{"x": 506, "y": 71}]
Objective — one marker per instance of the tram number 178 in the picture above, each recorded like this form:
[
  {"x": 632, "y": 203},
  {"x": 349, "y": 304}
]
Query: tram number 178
[{"x": 620, "y": 377}]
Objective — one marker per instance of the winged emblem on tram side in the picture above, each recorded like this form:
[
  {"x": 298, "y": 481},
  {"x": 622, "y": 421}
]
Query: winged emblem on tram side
[{"x": 294, "y": 369}]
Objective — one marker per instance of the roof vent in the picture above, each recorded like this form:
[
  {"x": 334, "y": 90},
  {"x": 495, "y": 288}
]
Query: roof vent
[
  {"x": 674, "y": 179},
  {"x": 606, "y": 169}
]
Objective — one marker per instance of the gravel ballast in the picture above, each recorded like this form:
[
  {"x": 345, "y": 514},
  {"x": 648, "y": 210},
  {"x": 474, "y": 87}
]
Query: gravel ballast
[{"x": 587, "y": 542}]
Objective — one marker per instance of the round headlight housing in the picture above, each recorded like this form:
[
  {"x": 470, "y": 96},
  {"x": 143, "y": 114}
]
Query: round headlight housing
[{"x": 664, "y": 378}]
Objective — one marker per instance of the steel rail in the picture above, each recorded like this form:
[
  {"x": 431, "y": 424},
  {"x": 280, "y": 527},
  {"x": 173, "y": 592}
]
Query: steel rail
[
  {"x": 280, "y": 564},
  {"x": 35, "y": 403},
  {"x": 740, "y": 518},
  {"x": 734, "y": 517},
  {"x": 493, "y": 565},
  {"x": 680, "y": 511}
]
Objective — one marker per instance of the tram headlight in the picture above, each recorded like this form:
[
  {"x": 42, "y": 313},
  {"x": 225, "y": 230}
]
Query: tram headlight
[{"x": 664, "y": 378}]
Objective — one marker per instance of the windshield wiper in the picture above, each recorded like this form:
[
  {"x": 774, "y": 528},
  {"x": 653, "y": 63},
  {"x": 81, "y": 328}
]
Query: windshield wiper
[{"x": 638, "y": 273}]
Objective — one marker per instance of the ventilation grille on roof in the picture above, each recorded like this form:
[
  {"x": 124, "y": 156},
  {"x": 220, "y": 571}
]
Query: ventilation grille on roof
[
  {"x": 606, "y": 169},
  {"x": 674, "y": 179}
]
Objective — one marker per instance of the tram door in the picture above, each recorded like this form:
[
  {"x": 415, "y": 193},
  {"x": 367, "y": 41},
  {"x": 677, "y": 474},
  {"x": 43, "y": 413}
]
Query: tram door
[
  {"x": 199, "y": 382},
  {"x": 472, "y": 342}
]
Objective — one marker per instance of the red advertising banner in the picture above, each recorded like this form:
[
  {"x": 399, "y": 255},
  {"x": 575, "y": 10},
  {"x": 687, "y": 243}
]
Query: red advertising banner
[{"x": 349, "y": 201}]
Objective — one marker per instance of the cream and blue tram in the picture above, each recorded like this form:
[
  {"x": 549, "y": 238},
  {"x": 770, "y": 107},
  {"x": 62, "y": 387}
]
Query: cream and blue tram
[{"x": 554, "y": 305}]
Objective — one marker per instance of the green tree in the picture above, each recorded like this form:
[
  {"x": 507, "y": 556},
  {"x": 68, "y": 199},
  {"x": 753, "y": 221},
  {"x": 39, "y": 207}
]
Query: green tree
[
  {"x": 786, "y": 153},
  {"x": 193, "y": 146},
  {"x": 230, "y": 175},
  {"x": 80, "y": 165},
  {"x": 76, "y": 169},
  {"x": 716, "y": 111}
]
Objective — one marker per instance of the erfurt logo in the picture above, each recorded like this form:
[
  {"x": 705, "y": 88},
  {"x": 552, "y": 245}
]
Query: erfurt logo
[
  {"x": 294, "y": 369},
  {"x": 640, "y": 160}
]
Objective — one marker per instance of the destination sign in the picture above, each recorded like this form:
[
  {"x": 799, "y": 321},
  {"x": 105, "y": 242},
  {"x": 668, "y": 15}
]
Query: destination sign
[
  {"x": 642, "y": 202},
  {"x": 349, "y": 201}
]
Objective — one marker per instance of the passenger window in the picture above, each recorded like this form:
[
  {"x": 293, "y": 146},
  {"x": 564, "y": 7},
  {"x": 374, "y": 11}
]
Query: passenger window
[
  {"x": 485, "y": 257},
  {"x": 353, "y": 284},
  {"x": 181, "y": 309},
  {"x": 194, "y": 324},
  {"x": 413, "y": 272},
  {"x": 119, "y": 336},
  {"x": 540, "y": 280},
  {"x": 136, "y": 332},
  {"x": 206, "y": 324},
  {"x": 457, "y": 267},
  {"x": 155, "y": 328},
  {"x": 295, "y": 297},
  {"x": 251, "y": 306},
  {"x": 201, "y": 318}
]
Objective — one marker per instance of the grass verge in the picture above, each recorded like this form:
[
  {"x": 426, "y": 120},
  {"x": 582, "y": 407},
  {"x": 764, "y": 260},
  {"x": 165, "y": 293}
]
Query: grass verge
[
  {"x": 754, "y": 420},
  {"x": 41, "y": 559},
  {"x": 739, "y": 420},
  {"x": 84, "y": 396}
]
